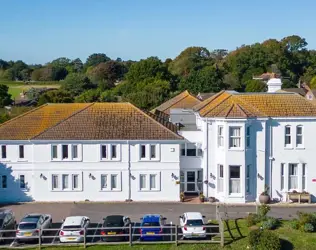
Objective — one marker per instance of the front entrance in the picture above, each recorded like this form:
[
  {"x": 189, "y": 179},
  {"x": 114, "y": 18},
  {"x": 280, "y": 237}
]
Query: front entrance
[{"x": 191, "y": 181}]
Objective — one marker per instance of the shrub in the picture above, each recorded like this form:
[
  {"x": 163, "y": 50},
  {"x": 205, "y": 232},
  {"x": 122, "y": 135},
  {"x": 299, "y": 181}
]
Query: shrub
[
  {"x": 252, "y": 219},
  {"x": 270, "y": 224},
  {"x": 305, "y": 218},
  {"x": 308, "y": 227},
  {"x": 263, "y": 210},
  {"x": 254, "y": 237},
  {"x": 264, "y": 239},
  {"x": 295, "y": 224}
]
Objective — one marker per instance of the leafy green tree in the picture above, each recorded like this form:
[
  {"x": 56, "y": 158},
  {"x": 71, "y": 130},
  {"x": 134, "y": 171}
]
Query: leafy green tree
[
  {"x": 76, "y": 83},
  {"x": 110, "y": 71},
  {"x": 208, "y": 79},
  {"x": 108, "y": 96},
  {"x": 58, "y": 73},
  {"x": 294, "y": 43},
  {"x": 4, "y": 64},
  {"x": 5, "y": 97},
  {"x": 91, "y": 95},
  {"x": 61, "y": 62},
  {"x": 286, "y": 83},
  {"x": 77, "y": 65},
  {"x": 55, "y": 96},
  {"x": 4, "y": 117},
  {"x": 36, "y": 74},
  {"x": 96, "y": 59},
  {"x": 313, "y": 83},
  {"x": 255, "y": 86}
]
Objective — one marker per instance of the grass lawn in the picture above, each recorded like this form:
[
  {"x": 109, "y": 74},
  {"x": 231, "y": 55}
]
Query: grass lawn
[{"x": 15, "y": 88}]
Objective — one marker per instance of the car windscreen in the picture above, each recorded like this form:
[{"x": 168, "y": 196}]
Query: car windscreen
[
  {"x": 1, "y": 222},
  {"x": 26, "y": 226},
  {"x": 194, "y": 223},
  {"x": 113, "y": 224},
  {"x": 72, "y": 227},
  {"x": 151, "y": 224}
]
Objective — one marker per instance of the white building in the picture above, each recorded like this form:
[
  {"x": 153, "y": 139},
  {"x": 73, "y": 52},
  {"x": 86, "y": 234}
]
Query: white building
[
  {"x": 228, "y": 146},
  {"x": 96, "y": 152}
]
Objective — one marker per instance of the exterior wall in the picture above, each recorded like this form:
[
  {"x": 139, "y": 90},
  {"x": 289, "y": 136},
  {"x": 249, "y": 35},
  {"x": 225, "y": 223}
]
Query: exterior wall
[{"x": 38, "y": 168}]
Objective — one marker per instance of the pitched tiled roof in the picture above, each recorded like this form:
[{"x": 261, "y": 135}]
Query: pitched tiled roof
[
  {"x": 183, "y": 100},
  {"x": 299, "y": 91},
  {"x": 204, "y": 96},
  {"x": 243, "y": 105}
]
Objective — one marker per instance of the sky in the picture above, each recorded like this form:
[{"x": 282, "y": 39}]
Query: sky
[{"x": 38, "y": 31}]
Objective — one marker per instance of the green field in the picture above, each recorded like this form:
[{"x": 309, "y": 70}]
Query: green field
[{"x": 15, "y": 88}]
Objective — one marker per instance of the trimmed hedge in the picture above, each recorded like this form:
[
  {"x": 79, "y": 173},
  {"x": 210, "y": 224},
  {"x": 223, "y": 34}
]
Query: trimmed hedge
[{"x": 264, "y": 239}]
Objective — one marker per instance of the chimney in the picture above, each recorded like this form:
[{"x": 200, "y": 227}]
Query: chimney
[{"x": 274, "y": 84}]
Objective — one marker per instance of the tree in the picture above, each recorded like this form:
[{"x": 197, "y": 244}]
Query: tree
[
  {"x": 77, "y": 65},
  {"x": 61, "y": 62},
  {"x": 255, "y": 86},
  {"x": 58, "y": 73},
  {"x": 36, "y": 74},
  {"x": 55, "y": 96},
  {"x": 76, "y": 83},
  {"x": 294, "y": 43},
  {"x": 5, "y": 97},
  {"x": 91, "y": 95},
  {"x": 3, "y": 64},
  {"x": 208, "y": 79},
  {"x": 108, "y": 96},
  {"x": 313, "y": 83},
  {"x": 96, "y": 59}
]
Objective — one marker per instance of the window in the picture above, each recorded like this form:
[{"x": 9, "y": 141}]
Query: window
[
  {"x": 293, "y": 172},
  {"x": 21, "y": 151},
  {"x": 3, "y": 151},
  {"x": 65, "y": 151},
  {"x": 22, "y": 181},
  {"x": 75, "y": 181},
  {"x": 248, "y": 179},
  {"x": 234, "y": 137},
  {"x": 191, "y": 149},
  {"x": 55, "y": 152},
  {"x": 152, "y": 151},
  {"x": 287, "y": 135},
  {"x": 113, "y": 181},
  {"x": 248, "y": 136},
  {"x": 299, "y": 136},
  {"x": 103, "y": 152},
  {"x": 142, "y": 151},
  {"x": 142, "y": 181},
  {"x": 220, "y": 178},
  {"x": 4, "y": 181},
  {"x": 220, "y": 138},
  {"x": 303, "y": 176},
  {"x": 75, "y": 151},
  {"x": 182, "y": 149},
  {"x": 65, "y": 178},
  {"x": 55, "y": 181},
  {"x": 104, "y": 181},
  {"x": 234, "y": 179},
  {"x": 152, "y": 181},
  {"x": 113, "y": 151},
  {"x": 282, "y": 176}
]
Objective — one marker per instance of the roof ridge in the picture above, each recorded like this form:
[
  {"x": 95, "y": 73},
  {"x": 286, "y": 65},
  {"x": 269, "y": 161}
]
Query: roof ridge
[
  {"x": 250, "y": 105},
  {"x": 164, "y": 127},
  {"x": 208, "y": 100},
  {"x": 24, "y": 114},
  {"x": 241, "y": 109},
  {"x": 229, "y": 110},
  {"x": 229, "y": 96},
  {"x": 58, "y": 123}
]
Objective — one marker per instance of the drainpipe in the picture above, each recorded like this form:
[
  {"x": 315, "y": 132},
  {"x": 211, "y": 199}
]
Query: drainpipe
[
  {"x": 270, "y": 159},
  {"x": 206, "y": 156},
  {"x": 129, "y": 171}
]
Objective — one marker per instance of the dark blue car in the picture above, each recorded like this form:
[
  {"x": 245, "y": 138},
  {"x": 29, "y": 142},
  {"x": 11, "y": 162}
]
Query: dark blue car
[{"x": 151, "y": 227}]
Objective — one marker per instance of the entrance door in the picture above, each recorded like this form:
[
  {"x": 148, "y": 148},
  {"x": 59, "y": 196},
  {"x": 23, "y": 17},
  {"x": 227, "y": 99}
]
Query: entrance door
[{"x": 191, "y": 181}]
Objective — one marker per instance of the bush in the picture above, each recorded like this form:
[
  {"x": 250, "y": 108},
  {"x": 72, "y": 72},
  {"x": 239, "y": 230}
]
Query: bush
[
  {"x": 295, "y": 224},
  {"x": 252, "y": 219},
  {"x": 264, "y": 239},
  {"x": 306, "y": 218},
  {"x": 270, "y": 224},
  {"x": 308, "y": 227},
  {"x": 263, "y": 210}
]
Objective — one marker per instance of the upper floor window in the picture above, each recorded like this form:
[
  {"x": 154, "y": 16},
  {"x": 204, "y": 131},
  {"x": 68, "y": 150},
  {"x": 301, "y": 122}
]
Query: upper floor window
[
  {"x": 113, "y": 151},
  {"x": 75, "y": 151},
  {"x": 110, "y": 152},
  {"x": 3, "y": 151},
  {"x": 287, "y": 138},
  {"x": 220, "y": 136},
  {"x": 142, "y": 151},
  {"x": 248, "y": 132},
  {"x": 299, "y": 135},
  {"x": 234, "y": 137},
  {"x": 54, "y": 152},
  {"x": 104, "y": 152},
  {"x": 153, "y": 151},
  {"x": 21, "y": 151},
  {"x": 65, "y": 151},
  {"x": 149, "y": 152},
  {"x": 191, "y": 149}
]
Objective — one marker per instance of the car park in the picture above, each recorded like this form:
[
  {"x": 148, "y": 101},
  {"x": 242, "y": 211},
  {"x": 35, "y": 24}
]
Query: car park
[
  {"x": 151, "y": 227},
  {"x": 7, "y": 222},
  {"x": 115, "y": 228},
  {"x": 192, "y": 225},
  {"x": 73, "y": 228},
  {"x": 32, "y": 225}
]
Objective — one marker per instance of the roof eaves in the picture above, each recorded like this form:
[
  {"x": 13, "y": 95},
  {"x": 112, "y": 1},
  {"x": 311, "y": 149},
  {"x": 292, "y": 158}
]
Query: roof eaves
[{"x": 207, "y": 101}]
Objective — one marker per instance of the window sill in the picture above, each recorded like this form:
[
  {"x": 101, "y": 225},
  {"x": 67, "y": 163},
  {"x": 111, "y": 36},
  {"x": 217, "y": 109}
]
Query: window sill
[
  {"x": 110, "y": 190},
  {"x": 110, "y": 160},
  {"x": 4, "y": 160},
  {"x": 65, "y": 190},
  {"x": 22, "y": 160},
  {"x": 235, "y": 196},
  {"x": 300, "y": 148},
  {"x": 236, "y": 149},
  {"x": 149, "y": 160},
  {"x": 148, "y": 190},
  {"x": 288, "y": 148}
]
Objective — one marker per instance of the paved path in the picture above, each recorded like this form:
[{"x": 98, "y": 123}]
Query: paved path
[{"x": 97, "y": 211}]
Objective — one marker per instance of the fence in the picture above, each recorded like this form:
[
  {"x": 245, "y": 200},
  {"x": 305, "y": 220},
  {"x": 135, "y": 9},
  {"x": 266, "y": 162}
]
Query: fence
[{"x": 131, "y": 235}]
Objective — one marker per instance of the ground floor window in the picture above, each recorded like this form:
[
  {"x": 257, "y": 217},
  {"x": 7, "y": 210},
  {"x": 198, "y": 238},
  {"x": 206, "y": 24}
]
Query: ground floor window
[
  {"x": 304, "y": 177},
  {"x": 234, "y": 180},
  {"x": 293, "y": 176},
  {"x": 110, "y": 181},
  {"x": 65, "y": 182},
  {"x": 149, "y": 182},
  {"x": 220, "y": 183},
  {"x": 282, "y": 176},
  {"x": 248, "y": 179}
]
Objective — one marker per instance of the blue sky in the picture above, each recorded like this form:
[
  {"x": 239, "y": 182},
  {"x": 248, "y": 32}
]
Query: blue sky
[{"x": 38, "y": 31}]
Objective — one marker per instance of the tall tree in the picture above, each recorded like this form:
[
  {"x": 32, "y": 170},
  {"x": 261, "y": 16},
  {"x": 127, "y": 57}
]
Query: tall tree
[
  {"x": 96, "y": 58},
  {"x": 76, "y": 83},
  {"x": 5, "y": 97}
]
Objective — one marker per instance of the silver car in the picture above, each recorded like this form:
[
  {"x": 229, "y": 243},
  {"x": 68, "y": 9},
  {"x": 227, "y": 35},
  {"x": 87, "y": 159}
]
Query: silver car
[{"x": 30, "y": 226}]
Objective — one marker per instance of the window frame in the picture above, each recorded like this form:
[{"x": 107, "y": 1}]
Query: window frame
[
  {"x": 20, "y": 182},
  {"x": 248, "y": 136},
  {"x": 248, "y": 179},
  {"x": 72, "y": 182},
  {"x": 304, "y": 179},
  {"x": 113, "y": 151},
  {"x": 52, "y": 151},
  {"x": 230, "y": 178},
  {"x": 282, "y": 182},
  {"x": 65, "y": 146},
  {"x": 63, "y": 186},
  {"x": 301, "y": 135},
  {"x": 220, "y": 169},
  {"x": 75, "y": 153},
  {"x": 287, "y": 135},
  {"x": 109, "y": 181},
  {"x": 4, "y": 177},
  {"x": 198, "y": 149},
  {"x": 5, "y": 154},
  {"x": 232, "y": 137},
  {"x": 57, "y": 178},
  {"x": 142, "y": 151},
  {"x": 220, "y": 136},
  {"x": 148, "y": 182},
  {"x": 292, "y": 175},
  {"x": 21, "y": 151}
]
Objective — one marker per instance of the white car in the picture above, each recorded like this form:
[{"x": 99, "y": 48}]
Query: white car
[
  {"x": 72, "y": 229},
  {"x": 192, "y": 225}
]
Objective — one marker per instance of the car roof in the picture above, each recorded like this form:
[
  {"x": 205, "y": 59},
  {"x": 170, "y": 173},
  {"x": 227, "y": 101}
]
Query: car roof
[
  {"x": 151, "y": 217},
  {"x": 73, "y": 220},
  {"x": 4, "y": 212},
  {"x": 193, "y": 215}
]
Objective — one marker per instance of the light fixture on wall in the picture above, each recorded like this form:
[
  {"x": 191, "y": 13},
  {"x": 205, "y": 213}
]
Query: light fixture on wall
[
  {"x": 41, "y": 176},
  {"x": 172, "y": 175},
  {"x": 90, "y": 175},
  {"x": 211, "y": 175}
]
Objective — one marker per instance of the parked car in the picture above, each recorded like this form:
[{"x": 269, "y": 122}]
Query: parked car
[
  {"x": 151, "y": 227},
  {"x": 115, "y": 225},
  {"x": 31, "y": 225},
  {"x": 7, "y": 222},
  {"x": 72, "y": 229},
  {"x": 192, "y": 225}
]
